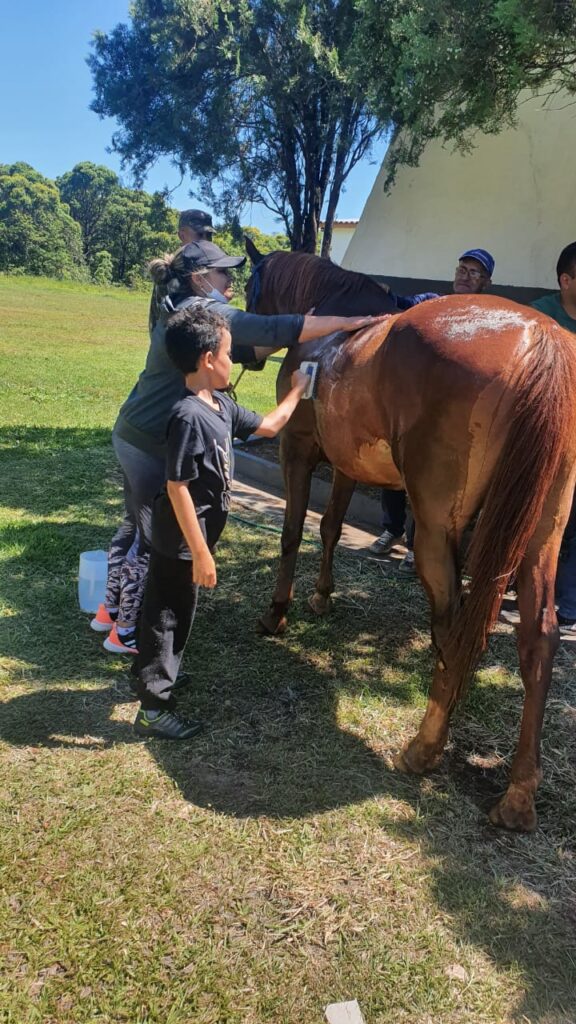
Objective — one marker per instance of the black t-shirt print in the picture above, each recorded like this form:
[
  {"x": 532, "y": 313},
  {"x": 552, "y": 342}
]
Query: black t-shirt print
[{"x": 200, "y": 453}]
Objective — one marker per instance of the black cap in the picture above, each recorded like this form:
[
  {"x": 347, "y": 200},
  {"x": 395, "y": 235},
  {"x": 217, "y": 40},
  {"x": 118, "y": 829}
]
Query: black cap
[
  {"x": 204, "y": 255},
  {"x": 198, "y": 219}
]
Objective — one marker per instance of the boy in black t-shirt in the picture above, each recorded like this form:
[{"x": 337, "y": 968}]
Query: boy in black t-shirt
[{"x": 190, "y": 512}]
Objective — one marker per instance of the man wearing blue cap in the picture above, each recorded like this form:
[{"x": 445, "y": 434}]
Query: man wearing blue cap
[{"x": 472, "y": 276}]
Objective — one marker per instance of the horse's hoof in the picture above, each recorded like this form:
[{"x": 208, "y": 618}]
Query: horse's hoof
[
  {"x": 515, "y": 811},
  {"x": 401, "y": 764},
  {"x": 271, "y": 624},
  {"x": 320, "y": 604},
  {"x": 415, "y": 759}
]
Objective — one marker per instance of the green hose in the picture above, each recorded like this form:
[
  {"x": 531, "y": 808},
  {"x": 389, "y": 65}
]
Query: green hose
[{"x": 270, "y": 529}]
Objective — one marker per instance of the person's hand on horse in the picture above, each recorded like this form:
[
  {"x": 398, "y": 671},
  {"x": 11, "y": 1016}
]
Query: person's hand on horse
[
  {"x": 320, "y": 326},
  {"x": 356, "y": 323}
]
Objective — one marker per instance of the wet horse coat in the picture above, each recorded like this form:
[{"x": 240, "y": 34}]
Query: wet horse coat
[{"x": 468, "y": 402}]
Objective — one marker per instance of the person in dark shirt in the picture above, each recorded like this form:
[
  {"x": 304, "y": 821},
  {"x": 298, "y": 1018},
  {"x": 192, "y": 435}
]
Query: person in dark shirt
[
  {"x": 561, "y": 306},
  {"x": 190, "y": 511}
]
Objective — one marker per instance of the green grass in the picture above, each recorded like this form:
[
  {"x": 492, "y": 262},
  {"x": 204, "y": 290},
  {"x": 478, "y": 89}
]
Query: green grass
[
  {"x": 278, "y": 862},
  {"x": 71, "y": 353}
]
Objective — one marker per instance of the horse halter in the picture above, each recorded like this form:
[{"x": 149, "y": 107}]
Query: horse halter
[{"x": 255, "y": 285}]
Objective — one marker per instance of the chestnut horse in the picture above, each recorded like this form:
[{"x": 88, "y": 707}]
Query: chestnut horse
[{"x": 469, "y": 403}]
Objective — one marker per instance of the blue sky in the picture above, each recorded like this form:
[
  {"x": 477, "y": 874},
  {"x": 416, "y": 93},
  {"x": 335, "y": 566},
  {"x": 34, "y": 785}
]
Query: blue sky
[{"x": 45, "y": 118}]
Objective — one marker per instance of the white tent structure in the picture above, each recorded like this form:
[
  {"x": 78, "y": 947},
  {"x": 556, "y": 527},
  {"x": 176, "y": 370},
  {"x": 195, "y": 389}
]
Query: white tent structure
[
  {"x": 513, "y": 195},
  {"x": 342, "y": 233}
]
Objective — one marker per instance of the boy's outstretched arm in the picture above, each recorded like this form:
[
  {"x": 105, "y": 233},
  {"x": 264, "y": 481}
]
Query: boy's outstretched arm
[
  {"x": 275, "y": 420},
  {"x": 203, "y": 565}
]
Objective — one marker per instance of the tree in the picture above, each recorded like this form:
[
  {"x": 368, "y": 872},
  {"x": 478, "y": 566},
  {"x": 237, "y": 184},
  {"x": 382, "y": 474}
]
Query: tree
[
  {"x": 37, "y": 233},
  {"x": 102, "y": 268},
  {"x": 254, "y": 98},
  {"x": 128, "y": 235},
  {"x": 450, "y": 68},
  {"x": 129, "y": 224},
  {"x": 87, "y": 190}
]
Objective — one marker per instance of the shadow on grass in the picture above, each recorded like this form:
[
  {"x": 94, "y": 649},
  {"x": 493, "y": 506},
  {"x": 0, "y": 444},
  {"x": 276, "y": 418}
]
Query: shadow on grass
[
  {"x": 280, "y": 753},
  {"x": 52, "y": 471},
  {"x": 273, "y": 745}
]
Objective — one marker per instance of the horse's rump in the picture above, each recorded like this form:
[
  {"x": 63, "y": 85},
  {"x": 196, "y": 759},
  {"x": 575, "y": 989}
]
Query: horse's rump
[{"x": 540, "y": 445}]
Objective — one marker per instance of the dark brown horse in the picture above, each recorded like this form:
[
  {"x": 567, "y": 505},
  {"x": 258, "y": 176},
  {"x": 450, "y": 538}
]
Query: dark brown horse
[{"x": 467, "y": 402}]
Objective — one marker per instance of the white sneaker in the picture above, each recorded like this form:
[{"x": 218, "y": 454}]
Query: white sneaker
[
  {"x": 510, "y": 615},
  {"x": 567, "y": 628}
]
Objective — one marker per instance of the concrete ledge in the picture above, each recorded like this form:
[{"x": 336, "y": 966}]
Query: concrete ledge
[{"x": 259, "y": 472}]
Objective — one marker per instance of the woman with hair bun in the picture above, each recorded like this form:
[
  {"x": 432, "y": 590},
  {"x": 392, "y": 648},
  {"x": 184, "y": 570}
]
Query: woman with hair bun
[{"x": 197, "y": 274}]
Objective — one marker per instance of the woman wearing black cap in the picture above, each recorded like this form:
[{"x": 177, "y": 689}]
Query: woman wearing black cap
[
  {"x": 197, "y": 274},
  {"x": 193, "y": 226}
]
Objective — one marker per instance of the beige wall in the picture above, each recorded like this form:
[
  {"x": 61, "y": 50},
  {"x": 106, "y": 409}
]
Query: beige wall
[
  {"x": 341, "y": 237},
  {"x": 513, "y": 195}
]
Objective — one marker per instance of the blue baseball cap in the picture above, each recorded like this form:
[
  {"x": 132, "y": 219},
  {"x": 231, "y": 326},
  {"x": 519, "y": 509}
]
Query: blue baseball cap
[{"x": 482, "y": 256}]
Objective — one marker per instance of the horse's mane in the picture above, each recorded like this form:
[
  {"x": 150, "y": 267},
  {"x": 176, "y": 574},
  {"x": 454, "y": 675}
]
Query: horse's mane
[{"x": 304, "y": 280}]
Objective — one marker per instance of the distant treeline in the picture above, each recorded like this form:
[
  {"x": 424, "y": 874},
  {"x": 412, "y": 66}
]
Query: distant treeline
[{"x": 87, "y": 226}]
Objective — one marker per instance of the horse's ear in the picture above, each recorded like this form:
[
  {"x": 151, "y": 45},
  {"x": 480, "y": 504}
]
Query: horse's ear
[{"x": 254, "y": 254}]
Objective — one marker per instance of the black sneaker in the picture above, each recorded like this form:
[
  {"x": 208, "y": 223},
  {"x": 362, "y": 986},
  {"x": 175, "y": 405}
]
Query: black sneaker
[
  {"x": 165, "y": 725},
  {"x": 384, "y": 543},
  {"x": 183, "y": 679},
  {"x": 408, "y": 565}
]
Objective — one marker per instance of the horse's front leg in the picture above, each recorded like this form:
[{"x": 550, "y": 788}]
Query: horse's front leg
[
  {"x": 298, "y": 456},
  {"x": 330, "y": 531}
]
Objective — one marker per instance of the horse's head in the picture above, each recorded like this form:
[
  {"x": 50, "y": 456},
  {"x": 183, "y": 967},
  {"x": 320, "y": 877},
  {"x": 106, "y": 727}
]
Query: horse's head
[{"x": 296, "y": 282}]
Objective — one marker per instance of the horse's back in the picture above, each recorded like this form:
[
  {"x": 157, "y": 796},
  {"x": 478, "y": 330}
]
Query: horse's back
[
  {"x": 481, "y": 334},
  {"x": 439, "y": 377}
]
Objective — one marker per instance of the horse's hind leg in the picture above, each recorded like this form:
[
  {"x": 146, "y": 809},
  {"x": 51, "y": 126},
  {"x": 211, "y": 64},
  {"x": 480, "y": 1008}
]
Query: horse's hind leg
[
  {"x": 330, "y": 531},
  {"x": 298, "y": 460},
  {"x": 436, "y": 556},
  {"x": 538, "y": 639}
]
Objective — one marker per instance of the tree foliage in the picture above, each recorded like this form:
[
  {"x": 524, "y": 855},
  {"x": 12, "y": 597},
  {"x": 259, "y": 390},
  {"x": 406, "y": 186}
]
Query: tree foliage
[
  {"x": 132, "y": 226},
  {"x": 129, "y": 235},
  {"x": 37, "y": 233},
  {"x": 39, "y": 236},
  {"x": 103, "y": 268},
  {"x": 255, "y": 99},
  {"x": 450, "y": 68},
  {"x": 87, "y": 189}
]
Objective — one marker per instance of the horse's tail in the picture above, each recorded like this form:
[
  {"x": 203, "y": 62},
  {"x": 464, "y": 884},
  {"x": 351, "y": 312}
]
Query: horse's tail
[{"x": 542, "y": 431}]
